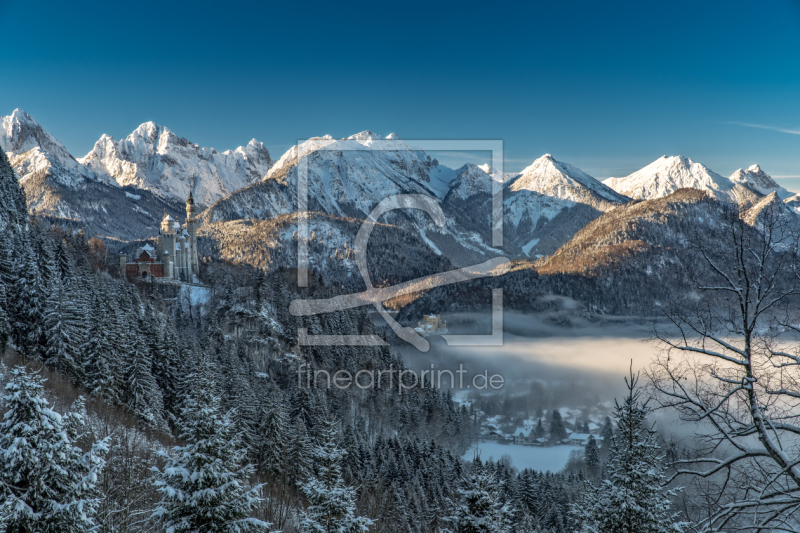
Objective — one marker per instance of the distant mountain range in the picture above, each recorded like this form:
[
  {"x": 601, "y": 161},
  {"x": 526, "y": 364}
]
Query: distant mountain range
[{"x": 120, "y": 189}]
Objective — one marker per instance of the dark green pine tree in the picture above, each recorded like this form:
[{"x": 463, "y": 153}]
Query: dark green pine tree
[
  {"x": 259, "y": 288},
  {"x": 8, "y": 279},
  {"x": 167, "y": 365},
  {"x": 608, "y": 435},
  {"x": 479, "y": 508},
  {"x": 557, "y": 430},
  {"x": 43, "y": 244},
  {"x": 64, "y": 262},
  {"x": 63, "y": 328},
  {"x": 299, "y": 451},
  {"x": 5, "y": 319},
  {"x": 272, "y": 444},
  {"x": 592, "y": 456},
  {"x": 13, "y": 205}
]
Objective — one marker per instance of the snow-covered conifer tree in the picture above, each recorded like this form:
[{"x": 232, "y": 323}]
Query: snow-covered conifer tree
[
  {"x": 62, "y": 330},
  {"x": 5, "y": 318},
  {"x": 631, "y": 499},
  {"x": 47, "y": 484},
  {"x": 272, "y": 443},
  {"x": 29, "y": 296},
  {"x": 142, "y": 395},
  {"x": 332, "y": 506},
  {"x": 479, "y": 509},
  {"x": 100, "y": 365},
  {"x": 608, "y": 436},
  {"x": 204, "y": 484}
]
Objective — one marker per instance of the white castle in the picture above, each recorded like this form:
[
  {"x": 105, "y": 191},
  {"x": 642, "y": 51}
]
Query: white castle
[{"x": 175, "y": 254}]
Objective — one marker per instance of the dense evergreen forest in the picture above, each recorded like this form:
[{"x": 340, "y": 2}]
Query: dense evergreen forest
[
  {"x": 186, "y": 417},
  {"x": 157, "y": 373}
]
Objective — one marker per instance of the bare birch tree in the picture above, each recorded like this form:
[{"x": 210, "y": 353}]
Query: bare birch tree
[{"x": 731, "y": 366}]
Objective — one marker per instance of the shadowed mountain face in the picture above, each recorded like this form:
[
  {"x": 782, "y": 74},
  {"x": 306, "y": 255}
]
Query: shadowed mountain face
[{"x": 393, "y": 255}]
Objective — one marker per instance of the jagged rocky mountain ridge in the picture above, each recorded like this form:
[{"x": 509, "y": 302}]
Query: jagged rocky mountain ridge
[
  {"x": 120, "y": 189},
  {"x": 758, "y": 180},
  {"x": 155, "y": 159},
  {"x": 61, "y": 189},
  {"x": 666, "y": 175},
  {"x": 543, "y": 206}
]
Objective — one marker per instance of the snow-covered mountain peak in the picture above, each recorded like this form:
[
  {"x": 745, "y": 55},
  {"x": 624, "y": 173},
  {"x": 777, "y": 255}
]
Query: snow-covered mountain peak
[
  {"x": 20, "y": 133},
  {"x": 392, "y": 137},
  {"x": 154, "y": 158},
  {"x": 471, "y": 179},
  {"x": 550, "y": 177},
  {"x": 32, "y": 150},
  {"x": 666, "y": 175},
  {"x": 756, "y": 179},
  {"x": 365, "y": 135}
]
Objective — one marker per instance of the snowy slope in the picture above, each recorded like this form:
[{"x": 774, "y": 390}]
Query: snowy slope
[
  {"x": 155, "y": 159},
  {"x": 348, "y": 178},
  {"x": 394, "y": 255},
  {"x": 793, "y": 202},
  {"x": 554, "y": 178},
  {"x": 549, "y": 201},
  {"x": 358, "y": 172}
]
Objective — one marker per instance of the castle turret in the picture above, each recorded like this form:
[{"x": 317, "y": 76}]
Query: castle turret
[
  {"x": 183, "y": 273},
  {"x": 191, "y": 229}
]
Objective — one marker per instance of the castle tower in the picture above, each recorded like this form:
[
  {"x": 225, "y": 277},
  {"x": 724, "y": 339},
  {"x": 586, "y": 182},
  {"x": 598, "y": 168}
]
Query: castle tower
[
  {"x": 167, "y": 241},
  {"x": 183, "y": 271},
  {"x": 191, "y": 229}
]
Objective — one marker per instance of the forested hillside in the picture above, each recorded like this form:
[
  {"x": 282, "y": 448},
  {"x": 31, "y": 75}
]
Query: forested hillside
[{"x": 172, "y": 383}]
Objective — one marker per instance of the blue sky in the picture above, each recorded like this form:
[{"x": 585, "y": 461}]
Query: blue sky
[{"x": 606, "y": 86}]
